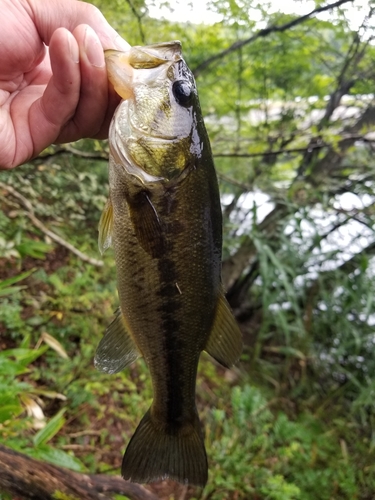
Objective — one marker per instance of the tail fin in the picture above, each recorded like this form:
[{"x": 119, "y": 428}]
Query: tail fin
[{"x": 156, "y": 452}]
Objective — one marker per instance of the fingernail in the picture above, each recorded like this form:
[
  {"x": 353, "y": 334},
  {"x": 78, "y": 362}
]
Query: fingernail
[
  {"x": 93, "y": 48},
  {"x": 73, "y": 48}
]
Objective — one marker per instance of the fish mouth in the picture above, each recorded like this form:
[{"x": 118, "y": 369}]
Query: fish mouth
[
  {"x": 151, "y": 56},
  {"x": 121, "y": 65}
]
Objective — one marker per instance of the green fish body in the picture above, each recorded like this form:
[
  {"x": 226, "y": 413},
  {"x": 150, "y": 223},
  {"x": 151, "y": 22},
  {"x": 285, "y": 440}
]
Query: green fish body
[{"x": 163, "y": 219}]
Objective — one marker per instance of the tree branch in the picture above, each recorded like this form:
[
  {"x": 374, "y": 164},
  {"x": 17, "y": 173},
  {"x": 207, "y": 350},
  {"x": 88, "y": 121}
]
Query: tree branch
[
  {"x": 29, "y": 212},
  {"x": 327, "y": 277},
  {"x": 287, "y": 151},
  {"x": 28, "y": 478},
  {"x": 323, "y": 169},
  {"x": 265, "y": 32},
  {"x": 346, "y": 79},
  {"x": 276, "y": 152},
  {"x": 139, "y": 21},
  {"x": 234, "y": 266},
  {"x": 68, "y": 149},
  {"x": 244, "y": 187},
  {"x": 344, "y": 82}
]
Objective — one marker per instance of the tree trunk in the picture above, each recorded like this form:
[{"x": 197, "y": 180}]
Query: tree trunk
[{"x": 25, "y": 477}]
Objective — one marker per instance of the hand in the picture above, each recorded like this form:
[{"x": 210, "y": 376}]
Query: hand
[{"x": 53, "y": 80}]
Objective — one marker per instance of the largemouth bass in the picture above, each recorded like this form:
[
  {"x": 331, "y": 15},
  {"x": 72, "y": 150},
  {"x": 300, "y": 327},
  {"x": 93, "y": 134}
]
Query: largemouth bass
[{"x": 163, "y": 218}]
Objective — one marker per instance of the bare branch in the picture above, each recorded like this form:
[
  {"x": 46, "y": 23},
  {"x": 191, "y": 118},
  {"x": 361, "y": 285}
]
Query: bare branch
[
  {"x": 265, "y": 32},
  {"x": 332, "y": 161},
  {"x": 287, "y": 151},
  {"x": 234, "y": 266},
  {"x": 244, "y": 187},
  {"x": 326, "y": 277},
  {"x": 28, "y": 478},
  {"x": 67, "y": 149},
  {"x": 139, "y": 20},
  {"x": 345, "y": 79},
  {"x": 29, "y": 212},
  {"x": 272, "y": 153}
]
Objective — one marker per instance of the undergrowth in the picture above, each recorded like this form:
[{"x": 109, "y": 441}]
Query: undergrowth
[{"x": 265, "y": 441}]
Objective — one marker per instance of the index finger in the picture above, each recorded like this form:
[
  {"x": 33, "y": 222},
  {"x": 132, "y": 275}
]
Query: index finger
[{"x": 53, "y": 14}]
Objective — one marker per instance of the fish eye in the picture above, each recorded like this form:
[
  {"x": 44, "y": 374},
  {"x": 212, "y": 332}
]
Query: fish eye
[{"x": 183, "y": 92}]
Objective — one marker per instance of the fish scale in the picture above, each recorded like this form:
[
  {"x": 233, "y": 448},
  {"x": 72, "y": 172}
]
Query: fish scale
[
  {"x": 182, "y": 311},
  {"x": 163, "y": 218}
]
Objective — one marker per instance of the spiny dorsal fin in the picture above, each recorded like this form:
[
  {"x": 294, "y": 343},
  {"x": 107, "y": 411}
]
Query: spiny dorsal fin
[
  {"x": 225, "y": 340},
  {"x": 106, "y": 227},
  {"x": 117, "y": 349}
]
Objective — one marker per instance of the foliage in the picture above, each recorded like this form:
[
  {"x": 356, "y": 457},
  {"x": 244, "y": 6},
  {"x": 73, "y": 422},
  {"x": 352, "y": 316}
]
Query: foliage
[
  {"x": 18, "y": 397},
  {"x": 290, "y": 117},
  {"x": 266, "y": 455}
]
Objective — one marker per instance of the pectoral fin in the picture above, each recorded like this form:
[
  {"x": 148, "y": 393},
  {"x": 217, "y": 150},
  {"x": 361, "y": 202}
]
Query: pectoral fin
[
  {"x": 117, "y": 349},
  {"x": 147, "y": 225},
  {"x": 225, "y": 340},
  {"x": 106, "y": 227}
]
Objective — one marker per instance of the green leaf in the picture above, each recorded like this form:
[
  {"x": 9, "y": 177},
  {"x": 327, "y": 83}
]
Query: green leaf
[
  {"x": 56, "y": 457},
  {"x": 25, "y": 344},
  {"x": 24, "y": 356},
  {"x": 10, "y": 290},
  {"x": 33, "y": 248},
  {"x": 9, "y": 411},
  {"x": 10, "y": 368},
  {"x": 15, "y": 279},
  {"x": 52, "y": 428}
]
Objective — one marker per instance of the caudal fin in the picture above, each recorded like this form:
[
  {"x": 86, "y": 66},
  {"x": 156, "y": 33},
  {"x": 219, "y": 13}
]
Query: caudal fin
[{"x": 156, "y": 452}]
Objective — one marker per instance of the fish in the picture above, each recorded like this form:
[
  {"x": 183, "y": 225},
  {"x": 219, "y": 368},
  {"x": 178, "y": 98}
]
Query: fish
[{"x": 163, "y": 219}]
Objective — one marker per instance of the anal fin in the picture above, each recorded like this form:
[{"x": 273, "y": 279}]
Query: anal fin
[
  {"x": 225, "y": 340},
  {"x": 117, "y": 349}
]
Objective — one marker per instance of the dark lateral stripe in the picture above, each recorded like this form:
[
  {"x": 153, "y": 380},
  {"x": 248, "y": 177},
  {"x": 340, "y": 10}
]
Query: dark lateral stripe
[{"x": 174, "y": 345}]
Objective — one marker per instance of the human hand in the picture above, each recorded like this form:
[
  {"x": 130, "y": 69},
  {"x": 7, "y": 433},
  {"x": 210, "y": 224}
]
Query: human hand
[{"x": 57, "y": 93}]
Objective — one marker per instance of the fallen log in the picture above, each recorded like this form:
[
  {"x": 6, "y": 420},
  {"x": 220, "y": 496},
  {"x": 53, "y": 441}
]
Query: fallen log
[{"x": 26, "y": 478}]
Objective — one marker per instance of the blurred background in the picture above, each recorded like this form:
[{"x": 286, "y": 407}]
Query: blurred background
[{"x": 287, "y": 92}]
